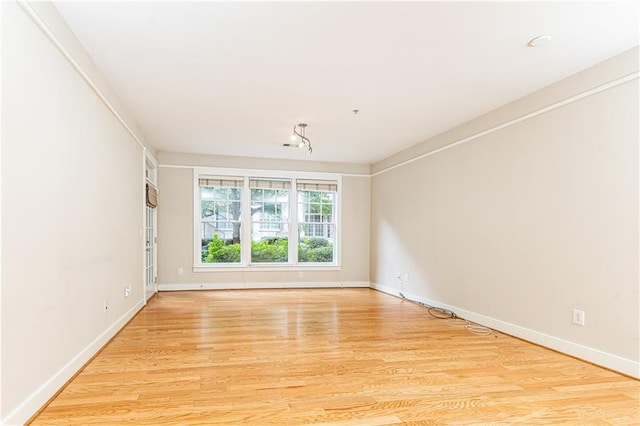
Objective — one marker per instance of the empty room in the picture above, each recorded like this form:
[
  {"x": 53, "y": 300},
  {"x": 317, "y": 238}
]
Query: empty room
[{"x": 320, "y": 213}]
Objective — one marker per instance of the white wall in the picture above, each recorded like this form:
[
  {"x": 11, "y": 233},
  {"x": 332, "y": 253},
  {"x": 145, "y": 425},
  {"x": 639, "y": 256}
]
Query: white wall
[
  {"x": 72, "y": 205},
  {"x": 517, "y": 227},
  {"x": 175, "y": 226}
]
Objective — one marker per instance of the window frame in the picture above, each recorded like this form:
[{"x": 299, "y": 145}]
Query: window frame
[
  {"x": 225, "y": 220},
  {"x": 313, "y": 225},
  {"x": 246, "y": 221},
  {"x": 284, "y": 225}
]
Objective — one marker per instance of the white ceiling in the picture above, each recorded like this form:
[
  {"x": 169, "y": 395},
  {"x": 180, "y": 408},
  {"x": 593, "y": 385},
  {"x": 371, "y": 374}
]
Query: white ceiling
[{"x": 232, "y": 78}]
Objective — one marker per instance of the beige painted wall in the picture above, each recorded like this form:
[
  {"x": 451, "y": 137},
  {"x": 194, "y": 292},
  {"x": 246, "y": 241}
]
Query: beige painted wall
[
  {"x": 524, "y": 224},
  {"x": 521, "y": 225},
  {"x": 175, "y": 225},
  {"x": 72, "y": 201}
]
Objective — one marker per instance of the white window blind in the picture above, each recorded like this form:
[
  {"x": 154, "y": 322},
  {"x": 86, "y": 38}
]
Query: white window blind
[
  {"x": 222, "y": 181},
  {"x": 269, "y": 184},
  {"x": 317, "y": 185}
]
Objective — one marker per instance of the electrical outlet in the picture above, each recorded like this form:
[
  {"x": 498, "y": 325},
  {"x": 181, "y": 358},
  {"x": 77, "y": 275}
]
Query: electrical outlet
[
  {"x": 300, "y": 274},
  {"x": 578, "y": 317},
  {"x": 127, "y": 290},
  {"x": 405, "y": 278},
  {"x": 399, "y": 275},
  {"x": 106, "y": 306},
  {"x": 180, "y": 271}
]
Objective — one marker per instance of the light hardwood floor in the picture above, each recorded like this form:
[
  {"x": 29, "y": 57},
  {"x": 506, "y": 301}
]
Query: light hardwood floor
[{"x": 328, "y": 356}]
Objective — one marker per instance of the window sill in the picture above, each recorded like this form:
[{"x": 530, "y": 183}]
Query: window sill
[{"x": 266, "y": 268}]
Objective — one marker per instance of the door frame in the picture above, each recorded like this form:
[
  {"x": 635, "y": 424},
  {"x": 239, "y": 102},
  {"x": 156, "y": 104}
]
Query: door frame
[{"x": 150, "y": 177}]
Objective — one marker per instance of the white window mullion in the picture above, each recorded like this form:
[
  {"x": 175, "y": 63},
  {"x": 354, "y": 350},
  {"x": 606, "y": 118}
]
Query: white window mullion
[
  {"x": 337, "y": 220},
  {"x": 293, "y": 225},
  {"x": 197, "y": 220},
  {"x": 246, "y": 223}
]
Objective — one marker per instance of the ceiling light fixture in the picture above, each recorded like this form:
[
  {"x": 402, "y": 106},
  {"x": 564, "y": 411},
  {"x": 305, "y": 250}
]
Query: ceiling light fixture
[
  {"x": 539, "y": 41},
  {"x": 304, "y": 141}
]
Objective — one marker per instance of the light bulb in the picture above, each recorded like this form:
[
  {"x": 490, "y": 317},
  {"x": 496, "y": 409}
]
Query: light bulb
[
  {"x": 301, "y": 144},
  {"x": 293, "y": 137}
]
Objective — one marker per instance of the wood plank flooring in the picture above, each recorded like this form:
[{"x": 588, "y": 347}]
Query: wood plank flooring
[{"x": 328, "y": 357}]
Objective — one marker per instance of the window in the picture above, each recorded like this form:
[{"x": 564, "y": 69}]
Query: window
[
  {"x": 316, "y": 223},
  {"x": 220, "y": 219},
  {"x": 269, "y": 220}
]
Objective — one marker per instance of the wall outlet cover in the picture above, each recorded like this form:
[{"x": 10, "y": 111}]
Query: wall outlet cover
[{"x": 578, "y": 317}]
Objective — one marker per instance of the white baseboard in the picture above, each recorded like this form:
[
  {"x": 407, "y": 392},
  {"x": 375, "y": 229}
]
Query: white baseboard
[
  {"x": 39, "y": 398},
  {"x": 274, "y": 285},
  {"x": 595, "y": 356}
]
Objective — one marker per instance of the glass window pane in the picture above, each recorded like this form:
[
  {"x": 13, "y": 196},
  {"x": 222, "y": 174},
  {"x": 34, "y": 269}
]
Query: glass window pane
[
  {"x": 269, "y": 194},
  {"x": 221, "y": 236},
  {"x": 316, "y": 243},
  {"x": 316, "y": 229},
  {"x": 221, "y": 242},
  {"x": 206, "y": 193},
  {"x": 223, "y": 193},
  {"x": 315, "y": 206},
  {"x": 235, "y": 210},
  {"x": 270, "y": 225},
  {"x": 235, "y": 194},
  {"x": 269, "y": 243},
  {"x": 207, "y": 209}
]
